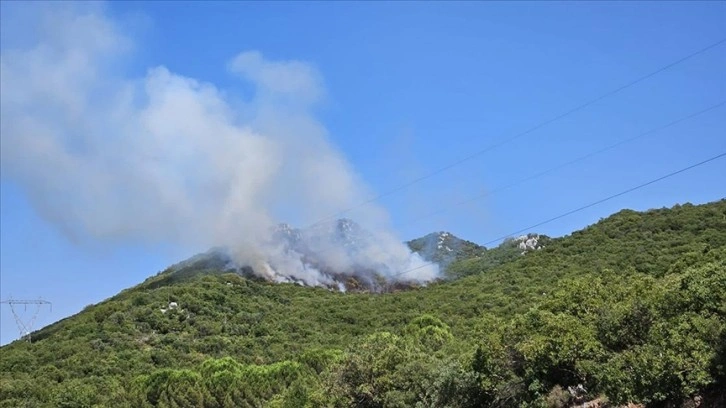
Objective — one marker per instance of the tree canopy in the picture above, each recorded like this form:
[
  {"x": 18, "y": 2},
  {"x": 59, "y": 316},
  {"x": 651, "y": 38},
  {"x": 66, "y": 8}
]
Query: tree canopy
[{"x": 631, "y": 310}]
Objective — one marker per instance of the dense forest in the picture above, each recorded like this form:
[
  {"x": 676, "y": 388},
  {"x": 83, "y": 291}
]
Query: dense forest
[{"x": 631, "y": 309}]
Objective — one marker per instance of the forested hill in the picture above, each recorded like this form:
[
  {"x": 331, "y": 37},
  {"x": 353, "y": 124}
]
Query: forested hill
[{"x": 629, "y": 310}]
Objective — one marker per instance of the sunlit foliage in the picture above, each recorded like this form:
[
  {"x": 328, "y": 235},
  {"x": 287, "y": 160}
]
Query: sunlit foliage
[{"x": 631, "y": 309}]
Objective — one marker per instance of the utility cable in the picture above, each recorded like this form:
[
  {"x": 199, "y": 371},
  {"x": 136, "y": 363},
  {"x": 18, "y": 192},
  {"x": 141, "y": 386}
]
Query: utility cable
[
  {"x": 563, "y": 165},
  {"x": 524, "y": 133},
  {"x": 584, "y": 207}
]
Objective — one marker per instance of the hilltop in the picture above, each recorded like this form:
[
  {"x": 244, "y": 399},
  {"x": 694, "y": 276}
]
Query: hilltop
[
  {"x": 344, "y": 238},
  {"x": 631, "y": 308},
  {"x": 440, "y": 248},
  {"x": 444, "y": 248}
]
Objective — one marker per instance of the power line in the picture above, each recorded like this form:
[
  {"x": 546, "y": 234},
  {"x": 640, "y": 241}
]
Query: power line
[
  {"x": 558, "y": 167},
  {"x": 563, "y": 165},
  {"x": 521, "y": 134},
  {"x": 584, "y": 207}
]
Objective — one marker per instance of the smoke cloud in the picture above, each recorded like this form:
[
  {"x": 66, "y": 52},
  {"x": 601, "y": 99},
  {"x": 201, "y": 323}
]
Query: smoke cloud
[{"x": 165, "y": 158}]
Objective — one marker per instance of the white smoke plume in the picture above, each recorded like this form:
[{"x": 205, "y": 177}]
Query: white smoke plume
[{"x": 165, "y": 158}]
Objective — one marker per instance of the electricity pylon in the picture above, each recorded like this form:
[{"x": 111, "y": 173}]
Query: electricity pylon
[{"x": 25, "y": 326}]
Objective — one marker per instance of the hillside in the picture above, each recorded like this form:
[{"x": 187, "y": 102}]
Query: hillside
[
  {"x": 445, "y": 248},
  {"x": 335, "y": 255},
  {"x": 633, "y": 308},
  {"x": 442, "y": 248}
]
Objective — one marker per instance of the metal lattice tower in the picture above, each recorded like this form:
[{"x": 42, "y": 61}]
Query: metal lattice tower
[{"x": 25, "y": 325}]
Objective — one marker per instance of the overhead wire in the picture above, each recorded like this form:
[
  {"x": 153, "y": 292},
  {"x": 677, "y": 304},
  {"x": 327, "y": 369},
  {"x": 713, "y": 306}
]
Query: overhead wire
[
  {"x": 559, "y": 166},
  {"x": 584, "y": 207},
  {"x": 563, "y": 165},
  {"x": 523, "y": 133}
]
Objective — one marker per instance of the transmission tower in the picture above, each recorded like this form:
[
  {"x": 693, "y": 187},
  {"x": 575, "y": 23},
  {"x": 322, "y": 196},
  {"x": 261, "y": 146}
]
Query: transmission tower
[{"x": 25, "y": 323}]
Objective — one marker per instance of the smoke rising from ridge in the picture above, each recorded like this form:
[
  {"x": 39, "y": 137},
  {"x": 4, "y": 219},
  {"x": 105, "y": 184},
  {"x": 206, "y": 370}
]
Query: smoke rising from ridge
[{"x": 166, "y": 158}]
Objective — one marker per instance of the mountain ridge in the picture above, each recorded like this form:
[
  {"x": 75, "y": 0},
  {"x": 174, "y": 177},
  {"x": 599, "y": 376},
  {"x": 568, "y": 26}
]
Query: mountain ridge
[
  {"x": 440, "y": 248},
  {"x": 577, "y": 311}
]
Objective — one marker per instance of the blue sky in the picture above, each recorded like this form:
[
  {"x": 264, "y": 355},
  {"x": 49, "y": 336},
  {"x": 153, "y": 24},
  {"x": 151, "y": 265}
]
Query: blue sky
[{"x": 400, "y": 89}]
